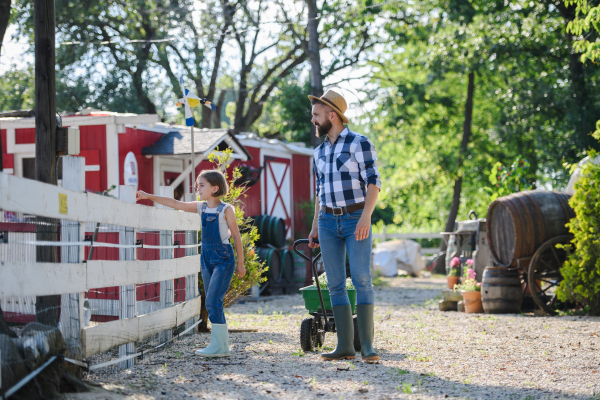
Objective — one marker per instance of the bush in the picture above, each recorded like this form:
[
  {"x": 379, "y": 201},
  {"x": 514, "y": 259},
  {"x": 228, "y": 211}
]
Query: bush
[
  {"x": 254, "y": 268},
  {"x": 581, "y": 271}
]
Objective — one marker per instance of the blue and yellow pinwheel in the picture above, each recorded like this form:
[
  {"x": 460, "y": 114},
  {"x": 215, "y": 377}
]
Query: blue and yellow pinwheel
[{"x": 190, "y": 101}]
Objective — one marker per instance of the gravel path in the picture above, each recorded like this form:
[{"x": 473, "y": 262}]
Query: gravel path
[{"x": 426, "y": 354}]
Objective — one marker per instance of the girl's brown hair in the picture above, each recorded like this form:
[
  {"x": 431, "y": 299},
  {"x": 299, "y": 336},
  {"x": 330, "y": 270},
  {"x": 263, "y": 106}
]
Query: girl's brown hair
[{"x": 214, "y": 177}]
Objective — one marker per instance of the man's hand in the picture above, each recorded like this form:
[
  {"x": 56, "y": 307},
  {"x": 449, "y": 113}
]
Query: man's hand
[
  {"x": 314, "y": 234},
  {"x": 141, "y": 195},
  {"x": 240, "y": 270},
  {"x": 362, "y": 228}
]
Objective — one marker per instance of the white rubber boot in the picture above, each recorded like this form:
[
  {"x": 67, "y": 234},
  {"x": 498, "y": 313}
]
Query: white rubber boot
[{"x": 219, "y": 342}]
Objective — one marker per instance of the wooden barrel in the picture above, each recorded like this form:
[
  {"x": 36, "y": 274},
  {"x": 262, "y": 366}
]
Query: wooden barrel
[
  {"x": 277, "y": 232},
  {"x": 518, "y": 224},
  {"x": 271, "y": 230},
  {"x": 287, "y": 265},
  {"x": 501, "y": 291},
  {"x": 272, "y": 259}
]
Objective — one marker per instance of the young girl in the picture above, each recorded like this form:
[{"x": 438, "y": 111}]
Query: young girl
[{"x": 217, "y": 259}]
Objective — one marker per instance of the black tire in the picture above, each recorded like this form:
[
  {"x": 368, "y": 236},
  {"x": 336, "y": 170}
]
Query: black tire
[
  {"x": 319, "y": 336},
  {"x": 356, "y": 336},
  {"x": 307, "y": 338}
]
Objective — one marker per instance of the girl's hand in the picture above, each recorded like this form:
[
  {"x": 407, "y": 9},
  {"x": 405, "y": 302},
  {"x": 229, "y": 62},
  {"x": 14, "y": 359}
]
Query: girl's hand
[
  {"x": 141, "y": 195},
  {"x": 240, "y": 271}
]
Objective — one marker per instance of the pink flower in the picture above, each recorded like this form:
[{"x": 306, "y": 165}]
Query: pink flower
[
  {"x": 479, "y": 284},
  {"x": 455, "y": 262},
  {"x": 471, "y": 273},
  {"x": 470, "y": 262}
]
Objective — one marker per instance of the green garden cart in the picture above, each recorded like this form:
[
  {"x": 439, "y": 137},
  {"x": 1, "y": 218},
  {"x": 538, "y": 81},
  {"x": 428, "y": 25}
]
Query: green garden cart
[{"x": 318, "y": 305}]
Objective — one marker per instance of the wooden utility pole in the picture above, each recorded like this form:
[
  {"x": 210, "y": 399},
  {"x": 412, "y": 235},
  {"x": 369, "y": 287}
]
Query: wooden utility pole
[
  {"x": 450, "y": 222},
  {"x": 316, "y": 79},
  {"x": 47, "y": 307}
]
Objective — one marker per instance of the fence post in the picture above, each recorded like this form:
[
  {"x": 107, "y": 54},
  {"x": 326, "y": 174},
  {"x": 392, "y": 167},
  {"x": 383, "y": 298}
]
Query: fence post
[
  {"x": 167, "y": 295},
  {"x": 127, "y": 294},
  {"x": 71, "y": 316},
  {"x": 191, "y": 281}
]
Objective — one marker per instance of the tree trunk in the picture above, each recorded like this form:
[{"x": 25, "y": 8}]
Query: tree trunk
[
  {"x": 47, "y": 307},
  {"x": 4, "y": 18},
  {"x": 458, "y": 181},
  {"x": 316, "y": 79}
]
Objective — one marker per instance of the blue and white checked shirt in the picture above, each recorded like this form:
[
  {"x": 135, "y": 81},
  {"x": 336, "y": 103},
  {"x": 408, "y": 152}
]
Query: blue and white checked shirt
[{"x": 344, "y": 170}]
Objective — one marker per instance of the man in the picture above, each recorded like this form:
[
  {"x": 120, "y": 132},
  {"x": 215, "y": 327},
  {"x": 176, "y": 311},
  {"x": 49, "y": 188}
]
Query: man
[{"x": 347, "y": 186}]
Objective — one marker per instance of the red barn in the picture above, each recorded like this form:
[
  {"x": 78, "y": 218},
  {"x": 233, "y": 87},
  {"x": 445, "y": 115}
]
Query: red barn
[{"x": 118, "y": 147}]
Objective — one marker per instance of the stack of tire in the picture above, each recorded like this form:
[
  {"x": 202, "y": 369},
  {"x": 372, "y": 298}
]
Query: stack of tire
[{"x": 271, "y": 248}]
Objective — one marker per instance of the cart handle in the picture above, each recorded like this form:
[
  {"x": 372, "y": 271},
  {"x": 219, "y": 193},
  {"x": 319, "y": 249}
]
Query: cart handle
[{"x": 305, "y": 241}]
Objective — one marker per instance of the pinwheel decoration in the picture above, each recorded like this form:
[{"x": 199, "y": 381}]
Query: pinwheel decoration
[{"x": 189, "y": 101}]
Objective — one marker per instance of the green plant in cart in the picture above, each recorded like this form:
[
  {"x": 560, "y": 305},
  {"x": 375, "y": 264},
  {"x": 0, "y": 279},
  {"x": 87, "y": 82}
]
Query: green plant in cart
[{"x": 323, "y": 282}]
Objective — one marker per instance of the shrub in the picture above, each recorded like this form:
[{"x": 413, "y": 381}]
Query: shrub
[{"x": 581, "y": 270}]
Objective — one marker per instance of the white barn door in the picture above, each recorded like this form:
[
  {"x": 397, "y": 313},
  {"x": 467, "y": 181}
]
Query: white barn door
[{"x": 278, "y": 190}]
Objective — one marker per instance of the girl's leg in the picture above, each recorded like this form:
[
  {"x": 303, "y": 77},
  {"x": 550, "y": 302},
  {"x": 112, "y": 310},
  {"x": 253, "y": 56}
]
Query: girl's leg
[{"x": 223, "y": 268}]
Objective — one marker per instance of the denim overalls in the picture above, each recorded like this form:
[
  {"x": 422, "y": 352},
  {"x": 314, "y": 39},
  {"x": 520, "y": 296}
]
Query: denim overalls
[{"x": 218, "y": 264}]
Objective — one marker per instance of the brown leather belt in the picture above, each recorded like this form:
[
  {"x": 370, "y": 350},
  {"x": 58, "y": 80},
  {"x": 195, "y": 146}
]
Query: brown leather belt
[{"x": 343, "y": 210}]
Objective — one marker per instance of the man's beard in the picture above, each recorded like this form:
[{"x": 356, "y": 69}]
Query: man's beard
[{"x": 323, "y": 129}]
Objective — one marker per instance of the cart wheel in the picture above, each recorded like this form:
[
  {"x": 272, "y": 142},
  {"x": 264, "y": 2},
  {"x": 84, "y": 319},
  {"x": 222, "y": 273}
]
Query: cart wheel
[
  {"x": 306, "y": 334},
  {"x": 544, "y": 275},
  {"x": 356, "y": 336},
  {"x": 319, "y": 336}
]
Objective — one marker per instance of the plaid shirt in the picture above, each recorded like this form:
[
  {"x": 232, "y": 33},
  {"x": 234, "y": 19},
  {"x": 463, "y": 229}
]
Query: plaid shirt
[{"x": 344, "y": 170}]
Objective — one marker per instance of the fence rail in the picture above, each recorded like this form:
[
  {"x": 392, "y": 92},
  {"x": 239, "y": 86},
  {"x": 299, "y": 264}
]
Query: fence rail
[{"x": 35, "y": 216}]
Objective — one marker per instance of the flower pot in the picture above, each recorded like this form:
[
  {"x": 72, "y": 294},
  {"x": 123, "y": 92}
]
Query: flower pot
[
  {"x": 473, "y": 302},
  {"x": 452, "y": 280}
]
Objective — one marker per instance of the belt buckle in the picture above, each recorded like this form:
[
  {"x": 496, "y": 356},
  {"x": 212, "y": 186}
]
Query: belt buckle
[{"x": 341, "y": 211}]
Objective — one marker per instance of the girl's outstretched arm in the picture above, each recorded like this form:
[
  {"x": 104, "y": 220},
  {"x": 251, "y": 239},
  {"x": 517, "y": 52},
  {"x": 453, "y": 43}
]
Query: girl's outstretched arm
[
  {"x": 237, "y": 240},
  {"x": 168, "y": 202}
]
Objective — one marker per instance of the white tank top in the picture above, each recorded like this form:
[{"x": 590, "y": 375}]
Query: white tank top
[{"x": 223, "y": 227}]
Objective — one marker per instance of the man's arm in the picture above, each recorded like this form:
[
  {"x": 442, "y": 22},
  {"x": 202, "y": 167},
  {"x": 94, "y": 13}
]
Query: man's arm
[
  {"x": 314, "y": 233},
  {"x": 364, "y": 223}
]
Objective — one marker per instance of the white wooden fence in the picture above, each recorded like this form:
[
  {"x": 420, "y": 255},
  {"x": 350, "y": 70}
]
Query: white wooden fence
[{"x": 26, "y": 278}]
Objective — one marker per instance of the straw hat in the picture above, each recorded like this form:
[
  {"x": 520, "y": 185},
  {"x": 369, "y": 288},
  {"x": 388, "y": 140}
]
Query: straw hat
[{"x": 335, "y": 101}]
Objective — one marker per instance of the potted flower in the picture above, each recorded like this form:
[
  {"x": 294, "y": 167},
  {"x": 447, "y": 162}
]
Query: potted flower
[
  {"x": 454, "y": 273},
  {"x": 471, "y": 290}
]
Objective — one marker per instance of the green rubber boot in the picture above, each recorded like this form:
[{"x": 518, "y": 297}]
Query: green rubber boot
[
  {"x": 219, "y": 342},
  {"x": 345, "y": 335},
  {"x": 364, "y": 316}
]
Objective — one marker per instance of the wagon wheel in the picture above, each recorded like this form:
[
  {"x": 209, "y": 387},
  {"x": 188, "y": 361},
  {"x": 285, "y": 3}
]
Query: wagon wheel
[
  {"x": 543, "y": 276},
  {"x": 310, "y": 337}
]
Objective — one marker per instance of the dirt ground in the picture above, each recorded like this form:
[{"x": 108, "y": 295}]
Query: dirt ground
[{"x": 426, "y": 354}]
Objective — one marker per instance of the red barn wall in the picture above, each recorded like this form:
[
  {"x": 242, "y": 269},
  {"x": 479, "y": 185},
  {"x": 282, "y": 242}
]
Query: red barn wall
[
  {"x": 133, "y": 140},
  {"x": 8, "y": 160},
  {"x": 93, "y": 138},
  {"x": 301, "y": 177}
]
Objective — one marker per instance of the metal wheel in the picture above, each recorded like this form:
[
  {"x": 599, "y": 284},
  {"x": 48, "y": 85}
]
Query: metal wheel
[
  {"x": 310, "y": 337},
  {"x": 543, "y": 276}
]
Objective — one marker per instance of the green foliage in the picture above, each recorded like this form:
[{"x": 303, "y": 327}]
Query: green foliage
[
  {"x": 587, "y": 17},
  {"x": 508, "y": 180},
  {"x": 287, "y": 115},
  {"x": 16, "y": 90},
  {"x": 581, "y": 271},
  {"x": 254, "y": 268},
  {"x": 323, "y": 282}
]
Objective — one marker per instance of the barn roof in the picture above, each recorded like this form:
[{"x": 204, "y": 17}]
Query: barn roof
[{"x": 177, "y": 141}]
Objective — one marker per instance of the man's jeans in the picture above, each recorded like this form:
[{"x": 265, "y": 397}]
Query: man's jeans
[{"x": 336, "y": 233}]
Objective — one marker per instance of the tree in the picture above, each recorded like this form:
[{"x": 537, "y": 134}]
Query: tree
[{"x": 314, "y": 50}]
